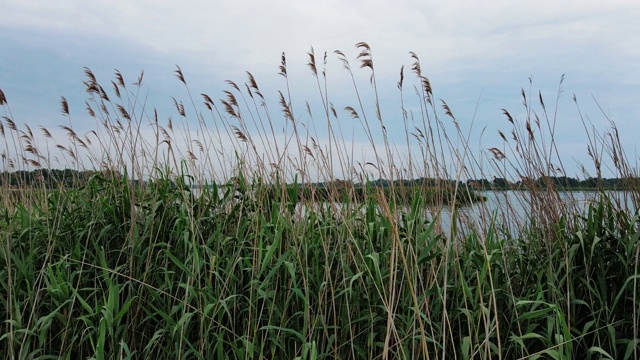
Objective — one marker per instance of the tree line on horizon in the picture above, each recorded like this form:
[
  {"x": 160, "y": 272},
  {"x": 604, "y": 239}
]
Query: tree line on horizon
[
  {"x": 52, "y": 178},
  {"x": 556, "y": 182},
  {"x": 499, "y": 183}
]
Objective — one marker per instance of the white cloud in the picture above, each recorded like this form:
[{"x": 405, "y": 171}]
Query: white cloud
[
  {"x": 465, "y": 46},
  {"x": 249, "y": 35}
]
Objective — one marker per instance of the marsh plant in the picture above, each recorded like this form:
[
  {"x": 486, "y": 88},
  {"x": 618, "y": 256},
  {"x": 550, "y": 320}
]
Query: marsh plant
[{"x": 240, "y": 231}]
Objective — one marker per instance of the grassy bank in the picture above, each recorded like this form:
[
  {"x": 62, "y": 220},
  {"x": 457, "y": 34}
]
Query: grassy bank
[{"x": 258, "y": 269}]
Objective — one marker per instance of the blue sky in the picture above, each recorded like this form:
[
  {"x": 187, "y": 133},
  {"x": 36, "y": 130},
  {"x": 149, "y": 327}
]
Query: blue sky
[{"x": 477, "y": 54}]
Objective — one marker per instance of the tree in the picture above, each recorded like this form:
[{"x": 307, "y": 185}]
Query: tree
[{"x": 501, "y": 183}]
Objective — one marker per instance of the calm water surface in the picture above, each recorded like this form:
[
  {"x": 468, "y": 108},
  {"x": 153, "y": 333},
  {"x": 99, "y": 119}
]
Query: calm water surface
[{"x": 508, "y": 210}]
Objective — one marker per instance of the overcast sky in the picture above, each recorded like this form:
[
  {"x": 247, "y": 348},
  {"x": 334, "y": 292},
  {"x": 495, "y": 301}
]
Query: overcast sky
[{"x": 477, "y": 54}]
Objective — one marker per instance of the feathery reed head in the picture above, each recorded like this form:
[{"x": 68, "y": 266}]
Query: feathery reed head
[{"x": 64, "y": 106}]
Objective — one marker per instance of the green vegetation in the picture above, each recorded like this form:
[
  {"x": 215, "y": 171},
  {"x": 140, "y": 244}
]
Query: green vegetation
[
  {"x": 248, "y": 262},
  {"x": 433, "y": 191},
  {"x": 48, "y": 178},
  {"x": 560, "y": 183}
]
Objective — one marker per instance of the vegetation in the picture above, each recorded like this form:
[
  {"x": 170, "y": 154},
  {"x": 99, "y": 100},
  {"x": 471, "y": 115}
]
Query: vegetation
[
  {"x": 560, "y": 183},
  {"x": 434, "y": 191},
  {"x": 224, "y": 254},
  {"x": 431, "y": 191}
]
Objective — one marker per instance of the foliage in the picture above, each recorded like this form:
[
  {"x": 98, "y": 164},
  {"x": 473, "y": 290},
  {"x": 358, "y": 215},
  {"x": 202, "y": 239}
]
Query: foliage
[{"x": 256, "y": 267}]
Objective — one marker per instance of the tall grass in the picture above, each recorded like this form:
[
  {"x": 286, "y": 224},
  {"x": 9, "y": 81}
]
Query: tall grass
[{"x": 225, "y": 251}]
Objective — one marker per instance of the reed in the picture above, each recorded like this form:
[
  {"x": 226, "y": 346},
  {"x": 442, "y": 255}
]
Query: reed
[{"x": 236, "y": 231}]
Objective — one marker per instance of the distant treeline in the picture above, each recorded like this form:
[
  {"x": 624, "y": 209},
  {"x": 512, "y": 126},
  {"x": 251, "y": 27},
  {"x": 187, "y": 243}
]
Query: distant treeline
[
  {"x": 430, "y": 191},
  {"x": 52, "y": 178},
  {"x": 556, "y": 182},
  {"x": 433, "y": 191}
]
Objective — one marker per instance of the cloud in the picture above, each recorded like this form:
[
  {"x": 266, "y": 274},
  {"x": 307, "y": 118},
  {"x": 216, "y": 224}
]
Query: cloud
[
  {"x": 250, "y": 35},
  {"x": 470, "y": 50}
]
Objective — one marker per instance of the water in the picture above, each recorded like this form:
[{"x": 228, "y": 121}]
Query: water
[{"x": 507, "y": 211}]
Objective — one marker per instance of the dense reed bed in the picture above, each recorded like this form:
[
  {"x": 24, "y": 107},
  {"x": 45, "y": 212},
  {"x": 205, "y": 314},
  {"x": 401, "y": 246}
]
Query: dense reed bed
[{"x": 225, "y": 251}]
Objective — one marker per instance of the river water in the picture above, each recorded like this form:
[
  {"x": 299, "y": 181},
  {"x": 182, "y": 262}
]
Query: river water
[{"x": 508, "y": 211}]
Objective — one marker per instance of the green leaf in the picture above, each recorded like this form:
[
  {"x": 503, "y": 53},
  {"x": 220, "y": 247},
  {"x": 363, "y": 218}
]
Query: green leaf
[
  {"x": 285, "y": 330},
  {"x": 601, "y": 351},
  {"x": 177, "y": 262}
]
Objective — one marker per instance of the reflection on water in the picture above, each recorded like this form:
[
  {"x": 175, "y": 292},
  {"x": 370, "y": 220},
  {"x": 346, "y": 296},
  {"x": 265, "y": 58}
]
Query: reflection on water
[
  {"x": 508, "y": 211},
  {"x": 505, "y": 211}
]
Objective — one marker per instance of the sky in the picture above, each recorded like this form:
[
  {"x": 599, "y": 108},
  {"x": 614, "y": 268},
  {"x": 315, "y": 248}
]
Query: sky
[{"x": 478, "y": 55}]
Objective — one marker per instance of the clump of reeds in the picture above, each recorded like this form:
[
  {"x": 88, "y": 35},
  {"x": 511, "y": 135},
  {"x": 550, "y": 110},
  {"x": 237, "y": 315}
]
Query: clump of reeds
[{"x": 233, "y": 231}]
